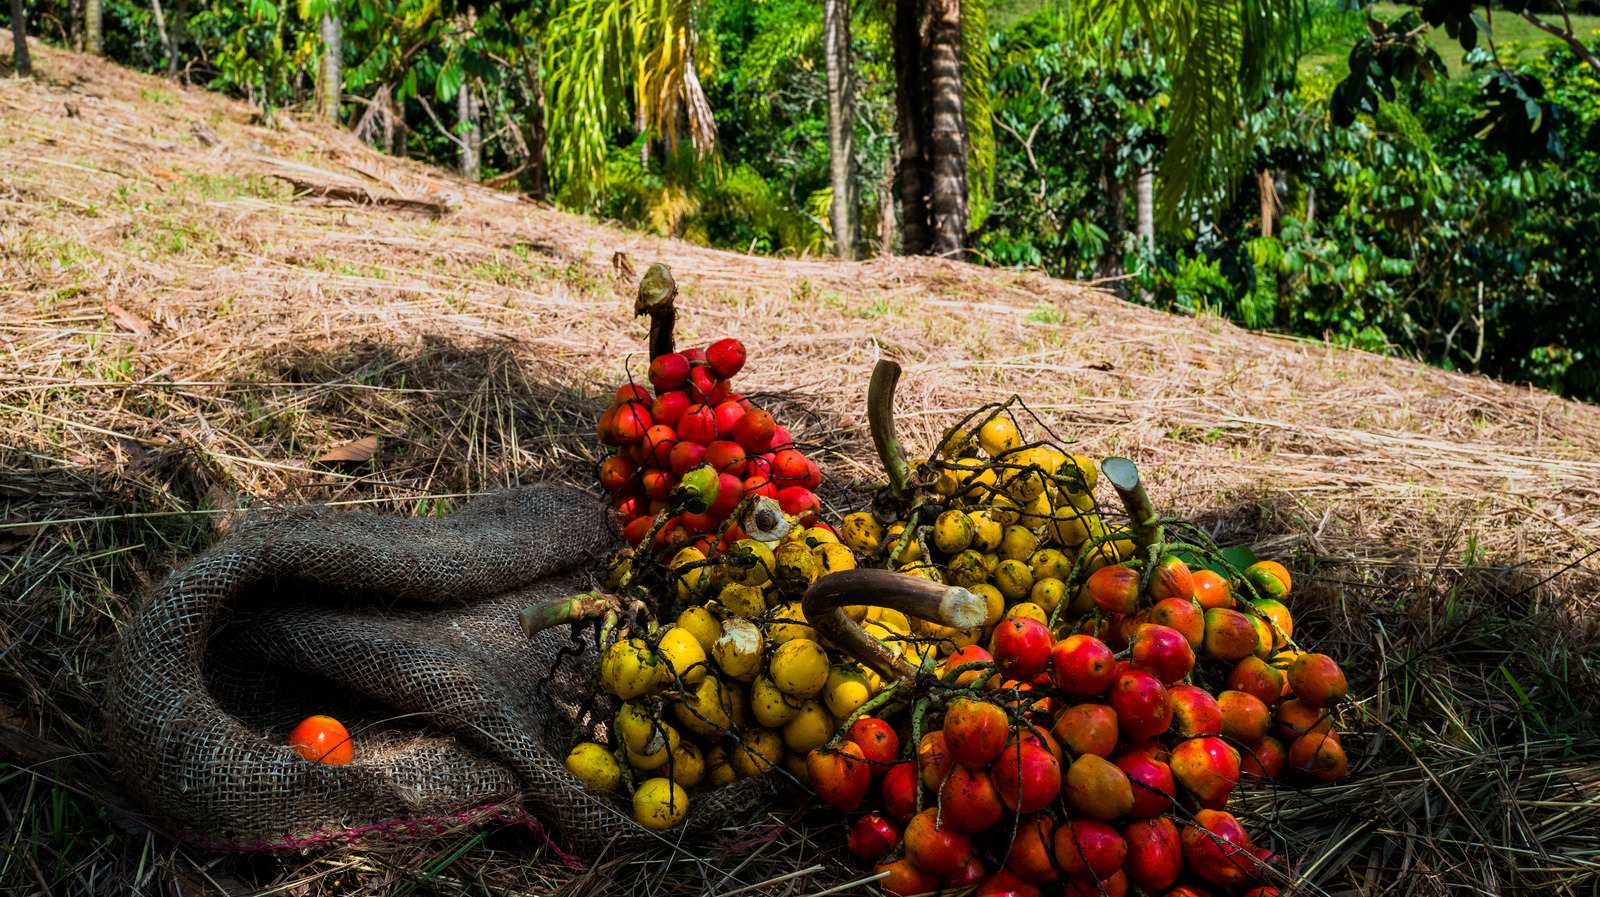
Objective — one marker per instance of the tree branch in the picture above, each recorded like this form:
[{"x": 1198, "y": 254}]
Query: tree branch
[
  {"x": 429, "y": 109},
  {"x": 1566, "y": 36}
]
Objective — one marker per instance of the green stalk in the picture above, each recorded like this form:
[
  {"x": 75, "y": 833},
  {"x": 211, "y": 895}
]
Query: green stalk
[{"x": 880, "y": 420}]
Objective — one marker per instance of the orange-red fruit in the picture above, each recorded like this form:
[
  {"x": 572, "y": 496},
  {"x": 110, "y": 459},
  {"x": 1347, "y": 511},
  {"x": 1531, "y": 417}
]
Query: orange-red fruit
[
  {"x": 872, "y": 837},
  {"x": 968, "y": 801},
  {"x": 1082, "y": 665},
  {"x": 726, "y": 357},
  {"x": 1263, "y": 891},
  {"x": 878, "y": 743},
  {"x": 1152, "y": 782},
  {"x": 1185, "y": 616},
  {"x": 975, "y": 732},
  {"x": 1097, "y": 788},
  {"x": 1143, "y": 707},
  {"x": 1266, "y": 760},
  {"x": 631, "y": 423},
  {"x": 1269, "y": 577},
  {"x": 1319, "y": 755},
  {"x": 1029, "y": 857},
  {"x": 322, "y": 739},
  {"x": 1317, "y": 680},
  {"x": 632, "y": 392},
  {"x": 840, "y": 775},
  {"x": 1005, "y": 883},
  {"x": 1294, "y": 718},
  {"x": 1115, "y": 588},
  {"x": 1089, "y": 850},
  {"x": 1244, "y": 718},
  {"x": 934, "y": 847},
  {"x": 1155, "y": 853},
  {"x": 897, "y": 790},
  {"x": 616, "y": 472},
  {"x": 905, "y": 878},
  {"x": 1216, "y": 845},
  {"x": 1115, "y": 886},
  {"x": 1194, "y": 711},
  {"x": 1230, "y": 635},
  {"x": 1207, "y": 768},
  {"x": 1171, "y": 579},
  {"x": 1021, "y": 648},
  {"x": 933, "y": 760},
  {"x": 1151, "y": 747},
  {"x": 1255, "y": 676},
  {"x": 1027, "y": 775},
  {"x": 1163, "y": 652},
  {"x": 970, "y": 654},
  {"x": 966, "y": 877},
  {"x": 1212, "y": 590},
  {"x": 1087, "y": 729}
]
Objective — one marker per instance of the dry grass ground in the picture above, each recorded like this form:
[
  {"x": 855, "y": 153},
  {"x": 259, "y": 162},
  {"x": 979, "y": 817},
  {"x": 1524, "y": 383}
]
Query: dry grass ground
[{"x": 184, "y": 332}]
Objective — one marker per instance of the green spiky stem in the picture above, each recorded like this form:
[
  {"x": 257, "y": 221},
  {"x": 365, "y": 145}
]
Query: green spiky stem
[{"x": 890, "y": 694}]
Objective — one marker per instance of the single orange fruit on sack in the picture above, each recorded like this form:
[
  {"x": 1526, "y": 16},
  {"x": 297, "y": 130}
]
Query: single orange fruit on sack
[{"x": 322, "y": 739}]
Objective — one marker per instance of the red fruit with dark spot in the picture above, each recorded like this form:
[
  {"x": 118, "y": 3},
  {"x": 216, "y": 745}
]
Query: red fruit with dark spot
[
  {"x": 616, "y": 473},
  {"x": 878, "y": 742},
  {"x": 934, "y": 847},
  {"x": 669, "y": 372},
  {"x": 905, "y": 878},
  {"x": 1194, "y": 711},
  {"x": 968, "y": 801},
  {"x": 1163, "y": 652},
  {"x": 1143, "y": 707},
  {"x": 726, "y": 457},
  {"x": 1216, "y": 846},
  {"x": 975, "y": 732},
  {"x": 1171, "y": 579},
  {"x": 632, "y": 392},
  {"x": 798, "y": 501},
  {"x": 871, "y": 837},
  {"x": 1155, "y": 853},
  {"x": 1021, "y": 648},
  {"x": 840, "y": 775},
  {"x": 1089, "y": 850},
  {"x": 1027, "y": 776},
  {"x": 726, "y": 357},
  {"x": 698, "y": 424},
  {"x": 1029, "y": 857},
  {"x": 1153, "y": 784},
  {"x": 1082, "y": 665},
  {"x": 1207, "y": 768},
  {"x": 789, "y": 468},
  {"x": 752, "y": 429},
  {"x": 632, "y": 422}
]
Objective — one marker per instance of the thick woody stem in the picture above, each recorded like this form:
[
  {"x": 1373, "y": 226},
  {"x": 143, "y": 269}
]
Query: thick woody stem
[
  {"x": 555, "y": 611},
  {"x": 1142, "y": 520},
  {"x": 657, "y": 291},
  {"x": 880, "y": 419},
  {"x": 825, "y": 600}
]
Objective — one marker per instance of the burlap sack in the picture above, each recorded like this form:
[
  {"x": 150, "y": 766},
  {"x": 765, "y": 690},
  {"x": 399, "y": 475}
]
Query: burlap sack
[{"x": 404, "y": 629}]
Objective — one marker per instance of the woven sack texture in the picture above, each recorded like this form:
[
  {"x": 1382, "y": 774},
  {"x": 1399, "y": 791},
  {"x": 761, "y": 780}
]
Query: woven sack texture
[{"x": 404, "y": 629}]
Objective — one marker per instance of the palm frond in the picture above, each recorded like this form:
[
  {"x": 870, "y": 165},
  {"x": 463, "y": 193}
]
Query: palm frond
[
  {"x": 978, "y": 104},
  {"x": 667, "y": 85},
  {"x": 587, "y": 42}
]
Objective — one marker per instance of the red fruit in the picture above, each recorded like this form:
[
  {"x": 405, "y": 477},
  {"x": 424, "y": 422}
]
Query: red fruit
[
  {"x": 616, "y": 473},
  {"x": 1319, "y": 755},
  {"x": 694, "y": 354},
  {"x": 628, "y": 506},
  {"x": 878, "y": 743},
  {"x": 657, "y": 483},
  {"x": 780, "y": 434},
  {"x": 322, "y": 739},
  {"x": 871, "y": 837},
  {"x": 1031, "y": 847},
  {"x": 1030, "y": 734},
  {"x": 1171, "y": 579},
  {"x": 703, "y": 522},
  {"x": 933, "y": 760},
  {"x": 1115, "y": 588},
  {"x": 659, "y": 441},
  {"x": 669, "y": 407},
  {"x": 1184, "y": 616},
  {"x": 1255, "y": 676},
  {"x": 1163, "y": 652},
  {"x": 1087, "y": 729},
  {"x": 936, "y": 848},
  {"x": 1266, "y": 760},
  {"x": 975, "y": 732},
  {"x": 1143, "y": 707},
  {"x": 1207, "y": 768},
  {"x": 1149, "y": 746},
  {"x": 789, "y": 468},
  {"x": 728, "y": 414},
  {"x": 1005, "y": 883},
  {"x": 1082, "y": 665},
  {"x": 1027, "y": 776},
  {"x": 668, "y": 372},
  {"x": 897, "y": 790},
  {"x": 634, "y": 532},
  {"x": 1155, "y": 853},
  {"x": 813, "y": 475},
  {"x": 672, "y": 533},
  {"x": 729, "y": 491},
  {"x": 1245, "y": 719},
  {"x": 759, "y": 486},
  {"x": 607, "y": 427},
  {"x": 1115, "y": 886},
  {"x": 1089, "y": 850},
  {"x": 1021, "y": 648},
  {"x": 968, "y": 801},
  {"x": 632, "y": 392},
  {"x": 726, "y": 357},
  {"x": 969, "y": 654},
  {"x": 1216, "y": 845},
  {"x": 726, "y": 457},
  {"x": 798, "y": 501},
  {"x": 841, "y": 775},
  {"x": 752, "y": 429},
  {"x": 698, "y": 424},
  {"x": 1263, "y": 891},
  {"x": 1153, "y": 784},
  {"x": 969, "y": 875},
  {"x": 758, "y": 466},
  {"x": 702, "y": 384},
  {"x": 632, "y": 422},
  {"x": 1317, "y": 680},
  {"x": 1211, "y": 590},
  {"x": 720, "y": 390},
  {"x": 1194, "y": 711},
  {"x": 905, "y": 878}
]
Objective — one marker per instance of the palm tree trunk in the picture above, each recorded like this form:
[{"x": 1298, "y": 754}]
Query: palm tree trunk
[
  {"x": 536, "y": 181},
  {"x": 332, "y": 65},
  {"x": 75, "y": 25},
  {"x": 21, "y": 62},
  {"x": 910, "y": 124},
  {"x": 394, "y": 127},
  {"x": 841, "y": 126},
  {"x": 94, "y": 26},
  {"x": 947, "y": 146},
  {"x": 471, "y": 136},
  {"x": 886, "y": 209},
  {"x": 1269, "y": 200},
  {"x": 1144, "y": 216},
  {"x": 180, "y": 15}
]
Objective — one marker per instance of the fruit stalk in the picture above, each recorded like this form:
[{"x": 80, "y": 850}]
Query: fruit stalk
[
  {"x": 1142, "y": 520},
  {"x": 880, "y": 420},
  {"x": 536, "y": 618},
  {"x": 657, "y": 291},
  {"x": 824, "y": 603}
]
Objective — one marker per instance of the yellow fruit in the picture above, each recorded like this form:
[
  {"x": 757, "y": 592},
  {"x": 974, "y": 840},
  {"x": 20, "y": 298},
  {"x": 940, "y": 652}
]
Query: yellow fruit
[
  {"x": 817, "y": 536},
  {"x": 769, "y": 705},
  {"x": 659, "y": 751},
  {"x": 738, "y": 651},
  {"x": 1030, "y": 610},
  {"x": 991, "y": 562},
  {"x": 891, "y": 618},
  {"x": 981, "y": 485},
  {"x": 742, "y": 601},
  {"x": 619, "y": 566},
  {"x": 789, "y": 624},
  {"x": 945, "y": 484},
  {"x": 1014, "y": 579},
  {"x": 631, "y": 669},
  {"x": 688, "y": 579},
  {"x": 1049, "y": 563},
  {"x": 702, "y": 624},
  {"x": 1047, "y": 593},
  {"x": 1071, "y": 528},
  {"x": 719, "y": 771},
  {"x": 800, "y": 668},
  {"x": 795, "y": 765},
  {"x": 795, "y": 567},
  {"x": 847, "y": 689},
  {"x": 637, "y": 726},
  {"x": 986, "y": 531},
  {"x": 660, "y": 804},
  {"x": 953, "y": 532},
  {"x": 967, "y": 569},
  {"x": 711, "y": 709},
  {"x": 955, "y": 442},
  {"x": 1026, "y": 483},
  {"x": 1085, "y": 469},
  {"x": 594, "y": 766},
  {"x": 683, "y": 655},
  {"x": 994, "y": 604},
  {"x": 999, "y": 436},
  {"x": 862, "y": 532},
  {"x": 752, "y": 562},
  {"x": 1040, "y": 510},
  {"x": 1082, "y": 602},
  {"x": 688, "y": 766},
  {"x": 756, "y": 752},
  {"x": 1018, "y": 544},
  {"x": 924, "y": 571},
  {"x": 1004, "y": 509},
  {"x": 913, "y": 549},
  {"x": 811, "y": 728},
  {"x": 832, "y": 557}
]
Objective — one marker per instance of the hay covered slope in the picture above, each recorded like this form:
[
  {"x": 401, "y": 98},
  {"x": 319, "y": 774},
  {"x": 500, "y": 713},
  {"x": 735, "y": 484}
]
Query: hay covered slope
[{"x": 195, "y": 309}]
